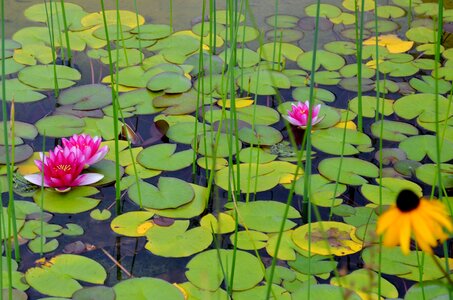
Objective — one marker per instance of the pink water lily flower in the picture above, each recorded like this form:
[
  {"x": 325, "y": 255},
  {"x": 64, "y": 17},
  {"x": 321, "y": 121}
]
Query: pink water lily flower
[
  {"x": 298, "y": 115},
  {"x": 89, "y": 147},
  {"x": 62, "y": 170}
]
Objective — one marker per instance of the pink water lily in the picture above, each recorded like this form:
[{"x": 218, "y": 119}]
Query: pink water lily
[
  {"x": 62, "y": 170},
  {"x": 298, "y": 115},
  {"x": 89, "y": 147}
]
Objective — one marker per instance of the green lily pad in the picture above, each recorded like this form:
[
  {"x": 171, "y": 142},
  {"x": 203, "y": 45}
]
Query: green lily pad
[
  {"x": 282, "y": 21},
  {"x": 94, "y": 292},
  {"x": 282, "y": 51},
  {"x": 86, "y": 97},
  {"x": 163, "y": 157},
  {"x": 341, "y": 47},
  {"x": 303, "y": 94},
  {"x": 100, "y": 215},
  {"x": 261, "y": 135},
  {"x": 169, "y": 193},
  {"x": 169, "y": 82},
  {"x": 127, "y": 223},
  {"x": 351, "y": 171},
  {"x": 317, "y": 264},
  {"x": 256, "y": 155},
  {"x": 421, "y": 35},
  {"x": 331, "y": 141},
  {"x": 330, "y": 61},
  {"x": 146, "y": 288},
  {"x": 196, "y": 293},
  {"x": 176, "y": 48},
  {"x": 184, "y": 132},
  {"x": 244, "y": 33},
  {"x": 422, "y": 106},
  {"x": 210, "y": 144},
  {"x": 328, "y": 238},
  {"x": 177, "y": 104},
  {"x": 59, "y": 276},
  {"x": 21, "y": 93},
  {"x": 249, "y": 240},
  {"x": 264, "y": 82},
  {"x": 427, "y": 174},
  {"x": 75, "y": 201},
  {"x": 369, "y": 108},
  {"x": 406, "y": 167},
  {"x": 394, "y": 262},
  {"x": 391, "y": 187},
  {"x": 192, "y": 209},
  {"x": 245, "y": 58},
  {"x": 47, "y": 246},
  {"x": 427, "y": 85},
  {"x": 259, "y": 292},
  {"x": 21, "y": 153},
  {"x": 284, "y": 35},
  {"x": 42, "y": 76},
  {"x": 72, "y": 230},
  {"x": 417, "y": 147},
  {"x": 325, "y": 10},
  {"x": 287, "y": 248},
  {"x": 323, "y": 192},
  {"x": 431, "y": 289},
  {"x": 205, "y": 269},
  {"x": 21, "y": 131},
  {"x": 60, "y": 126},
  {"x": 221, "y": 224},
  {"x": 265, "y": 216},
  {"x": 392, "y": 130},
  {"x": 176, "y": 241},
  {"x": 364, "y": 282},
  {"x": 326, "y": 292},
  {"x": 152, "y": 31}
]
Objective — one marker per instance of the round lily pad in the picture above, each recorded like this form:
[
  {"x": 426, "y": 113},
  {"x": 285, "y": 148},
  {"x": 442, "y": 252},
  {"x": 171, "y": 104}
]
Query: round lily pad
[
  {"x": 323, "y": 192},
  {"x": 264, "y": 82},
  {"x": 422, "y": 106},
  {"x": 21, "y": 93},
  {"x": 169, "y": 193},
  {"x": 392, "y": 130},
  {"x": 351, "y": 171},
  {"x": 427, "y": 174},
  {"x": 163, "y": 157},
  {"x": 21, "y": 153},
  {"x": 417, "y": 147},
  {"x": 328, "y": 237},
  {"x": 205, "y": 269},
  {"x": 59, "y": 277},
  {"x": 60, "y": 126},
  {"x": 330, "y": 61},
  {"x": 177, "y": 104},
  {"x": 331, "y": 141},
  {"x": 128, "y": 224},
  {"x": 260, "y": 135},
  {"x": 42, "y": 76},
  {"x": 169, "y": 82},
  {"x": 86, "y": 97},
  {"x": 249, "y": 240},
  {"x": 153, "y": 288},
  {"x": 75, "y": 201},
  {"x": 303, "y": 94},
  {"x": 326, "y": 292},
  {"x": 210, "y": 144},
  {"x": 176, "y": 240},
  {"x": 282, "y": 21},
  {"x": 391, "y": 187}
]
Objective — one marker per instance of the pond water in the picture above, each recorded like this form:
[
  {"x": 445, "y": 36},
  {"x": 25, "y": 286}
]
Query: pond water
[{"x": 185, "y": 232}]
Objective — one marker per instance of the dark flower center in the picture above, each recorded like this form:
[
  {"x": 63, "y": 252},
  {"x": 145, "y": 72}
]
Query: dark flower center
[{"x": 407, "y": 200}]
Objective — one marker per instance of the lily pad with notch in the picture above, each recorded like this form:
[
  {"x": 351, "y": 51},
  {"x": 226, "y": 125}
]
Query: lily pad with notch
[
  {"x": 75, "y": 201},
  {"x": 153, "y": 288},
  {"x": 330, "y": 61},
  {"x": 393, "y": 130},
  {"x": 417, "y": 147},
  {"x": 390, "y": 188},
  {"x": 331, "y": 141},
  {"x": 352, "y": 171},
  {"x": 42, "y": 77},
  {"x": 86, "y": 97}
]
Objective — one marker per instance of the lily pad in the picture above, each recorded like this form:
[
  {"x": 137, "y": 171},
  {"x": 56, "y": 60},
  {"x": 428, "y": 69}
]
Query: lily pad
[
  {"x": 75, "y": 201},
  {"x": 330, "y": 61},
  {"x": 86, "y": 97},
  {"x": 422, "y": 106},
  {"x": 261, "y": 135},
  {"x": 163, "y": 157},
  {"x": 58, "y": 277},
  {"x": 60, "y": 126},
  {"x": 21, "y": 153},
  {"x": 127, "y": 224},
  {"x": 21, "y": 93},
  {"x": 42, "y": 76},
  {"x": 264, "y": 82},
  {"x": 369, "y": 108},
  {"x": 176, "y": 240},
  {"x": 331, "y": 141},
  {"x": 265, "y": 216},
  {"x": 391, "y": 187},
  {"x": 326, "y": 292},
  {"x": 392, "y": 130},
  {"x": 177, "y": 104},
  {"x": 153, "y": 288},
  {"x": 249, "y": 240},
  {"x": 427, "y": 174},
  {"x": 322, "y": 192},
  {"x": 303, "y": 94},
  {"x": 169, "y": 193},
  {"x": 351, "y": 171},
  {"x": 170, "y": 83},
  {"x": 327, "y": 238},
  {"x": 417, "y": 147},
  {"x": 205, "y": 269}
]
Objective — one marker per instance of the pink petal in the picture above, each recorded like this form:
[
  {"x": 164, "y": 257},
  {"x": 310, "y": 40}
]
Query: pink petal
[
  {"x": 87, "y": 178},
  {"x": 293, "y": 121},
  {"x": 35, "y": 179}
]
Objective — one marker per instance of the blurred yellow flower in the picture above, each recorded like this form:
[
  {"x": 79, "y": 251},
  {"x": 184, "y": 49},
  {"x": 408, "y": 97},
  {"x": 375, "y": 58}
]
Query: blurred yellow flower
[
  {"x": 426, "y": 220},
  {"x": 392, "y": 42}
]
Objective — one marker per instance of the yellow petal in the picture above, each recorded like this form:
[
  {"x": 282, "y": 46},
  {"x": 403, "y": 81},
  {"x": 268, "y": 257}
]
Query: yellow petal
[
  {"x": 421, "y": 230},
  {"x": 405, "y": 233},
  {"x": 387, "y": 219},
  {"x": 239, "y": 102}
]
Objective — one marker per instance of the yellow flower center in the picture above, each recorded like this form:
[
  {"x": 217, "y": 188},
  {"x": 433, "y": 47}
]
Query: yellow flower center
[{"x": 64, "y": 168}]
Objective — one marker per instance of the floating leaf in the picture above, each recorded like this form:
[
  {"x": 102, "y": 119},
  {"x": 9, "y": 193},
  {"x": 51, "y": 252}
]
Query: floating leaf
[
  {"x": 58, "y": 277},
  {"x": 427, "y": 173},
  {"x": 21, "y": 153},
  {"x": 169, "y": 193},
  {"x": 75, "y": 201},
  {"x": 205, "y": 269},
  {"x": 169, "y": 82},
  {"x": 392, "y": 130},
  {"x": 264, "y": 82},
  {"x": 328, "y": 237},
  {"x": 323, "y": 192},
  {"x": 325, "y": 291},
  {"x": 422, "y": 106},
  {"x": 417, "y": 147},
  {"x": 42, "y": 76},
  {"x": 60, "y": 126},
  {"x": 163, "y": 157},
  {"x": 177, "y": 104},
  {"x": 153, "y": 288},
  {"x": 282, "y": 21},
  {"x": 249, "y": 240},
  {"x": 394, "y": 262},
  {"x": 351, "y": 172},
  {"x": 428, "y": 85},
  {"x": 99, "y": 215},
  {"x": 128, "y": 223},
  {"x": 21, "y": 93},
  {"x": 390, "y": 188},
  {"x": 265, "y": 216},
  {"x": 260, "y": 135},
  {"x": 277, "y": 52},
  {"x": 325, "y": 10},
  {"x": 331, "y": 141},
  {"x": 369, "y": 108},
  {"x": 221, "y": 224},
  {"x": 176, "y": 240},
  {"x": 330, "y": 61}
]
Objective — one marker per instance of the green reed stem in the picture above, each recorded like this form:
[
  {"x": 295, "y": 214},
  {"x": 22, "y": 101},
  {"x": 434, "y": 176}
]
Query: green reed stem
[
  {"x": 376, "y": 29},
  {"x": 115, "y": 113},
  {"x": 359, "y": 35},
  {"x": 420, "y": 270},
  {"x": 275, "y": 33},
  {"x": 171, "y": 14},
  {"x": 52, "y": 45},
  {"x": 66, "y": 32},
  {"x": 138, "y": 32},
  {"x": 41, "y": 200}
]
